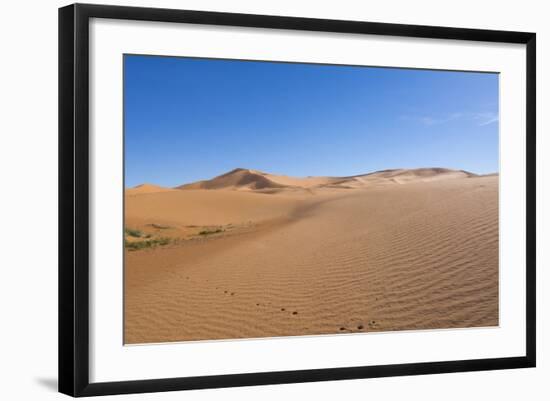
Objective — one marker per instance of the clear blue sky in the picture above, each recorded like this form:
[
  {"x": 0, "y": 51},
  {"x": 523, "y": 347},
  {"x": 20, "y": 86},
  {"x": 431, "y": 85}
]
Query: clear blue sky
[{"x": 190, "y": 119}]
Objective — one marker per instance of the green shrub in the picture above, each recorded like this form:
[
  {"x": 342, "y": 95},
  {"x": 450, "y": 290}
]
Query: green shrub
[
  {"x": 133, "y": 233},
  {"x": 150, "y": 243},
  {"x": 208, "y": 232}
]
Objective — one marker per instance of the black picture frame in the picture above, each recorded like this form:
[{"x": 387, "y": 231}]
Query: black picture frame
[{"x": 74, "y": 199}]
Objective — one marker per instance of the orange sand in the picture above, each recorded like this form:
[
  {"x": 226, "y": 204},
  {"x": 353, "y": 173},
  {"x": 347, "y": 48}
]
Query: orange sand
[{"x": 253, "y": 254}]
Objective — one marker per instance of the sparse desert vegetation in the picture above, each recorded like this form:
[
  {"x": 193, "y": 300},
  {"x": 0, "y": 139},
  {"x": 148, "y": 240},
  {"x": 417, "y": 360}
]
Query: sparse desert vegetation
[
  {"x": 133, "y": 233},
  {"x": 211, "y": 231},
  {"x": 147, "y": 243}
]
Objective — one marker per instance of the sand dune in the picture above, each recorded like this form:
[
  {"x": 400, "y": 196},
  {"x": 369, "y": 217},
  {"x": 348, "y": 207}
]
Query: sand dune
[
  {"x": 202, "y": 207},
  {"x": 418, "y": 175},
  {"x": 146, "y": 189},
  {"x": 238, "y": 178},
  {"x": 246, "y": 179},
  {"x": 391, "y": 250},
  {"x": 241, "y": 178}
]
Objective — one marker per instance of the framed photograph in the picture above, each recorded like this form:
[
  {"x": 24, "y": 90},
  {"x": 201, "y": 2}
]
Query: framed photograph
[{"x": 251, "y": 199}]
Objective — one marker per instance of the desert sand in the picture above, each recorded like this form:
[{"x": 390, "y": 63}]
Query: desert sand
[
  {"x": 146, "y": 189},
  {"x": 250, "y": 254}
]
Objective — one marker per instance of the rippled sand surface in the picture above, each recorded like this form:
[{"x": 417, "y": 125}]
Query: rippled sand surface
[{"x": 376, "y": 253}]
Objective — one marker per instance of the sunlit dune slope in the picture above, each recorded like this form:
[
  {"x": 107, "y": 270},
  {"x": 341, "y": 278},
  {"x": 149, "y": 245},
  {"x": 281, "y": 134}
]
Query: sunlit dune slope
[
  {"x": 391, "y": 250},
  {"x": 247, "y": 179},
  {"x": 147, "y": 189}
]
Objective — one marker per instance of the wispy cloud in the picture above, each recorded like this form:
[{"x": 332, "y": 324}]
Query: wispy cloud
[
  {"x": 480, "y": 118},
  {"x": 486, "y": 118},
  {"x": 436, "y": 120}
]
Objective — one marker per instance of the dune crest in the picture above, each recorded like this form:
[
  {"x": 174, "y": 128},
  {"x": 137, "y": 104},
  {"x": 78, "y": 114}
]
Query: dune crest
[
  {"x": 238, "y": 178},
  {"x": 248, "y": 179}
]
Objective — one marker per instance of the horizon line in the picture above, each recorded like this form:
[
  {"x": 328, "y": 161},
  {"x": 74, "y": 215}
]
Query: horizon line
[{"x": 312, "y": 176}]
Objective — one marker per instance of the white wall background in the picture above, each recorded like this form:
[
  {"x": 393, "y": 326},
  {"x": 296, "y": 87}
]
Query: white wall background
[{"x": 28, "y": 199}]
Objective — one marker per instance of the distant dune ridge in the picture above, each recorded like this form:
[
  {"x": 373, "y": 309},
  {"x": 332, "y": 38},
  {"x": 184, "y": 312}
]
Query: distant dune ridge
[
  {"x": 252, "y": 254},
  {"x": 146, "y": 189},
  {"x": 248, "y": 179}
]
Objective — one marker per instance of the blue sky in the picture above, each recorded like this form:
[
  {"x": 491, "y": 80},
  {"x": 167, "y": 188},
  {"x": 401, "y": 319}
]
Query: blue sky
[{"x": 190, "y": 119}]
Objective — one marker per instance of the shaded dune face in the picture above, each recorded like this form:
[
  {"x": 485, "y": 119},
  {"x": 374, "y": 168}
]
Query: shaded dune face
[
  {"x": 421, "y": 172},
  {"x": 238, "y": 178},
  {"x": 393, "y": 250}
]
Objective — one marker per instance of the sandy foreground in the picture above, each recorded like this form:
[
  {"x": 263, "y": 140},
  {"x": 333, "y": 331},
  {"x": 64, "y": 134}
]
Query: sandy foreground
[{"x": 250, "y": 254}]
